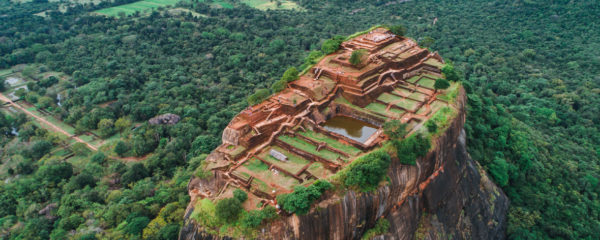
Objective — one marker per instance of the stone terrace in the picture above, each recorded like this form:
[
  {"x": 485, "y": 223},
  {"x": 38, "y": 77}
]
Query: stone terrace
[{"x": 280, "y": 143}]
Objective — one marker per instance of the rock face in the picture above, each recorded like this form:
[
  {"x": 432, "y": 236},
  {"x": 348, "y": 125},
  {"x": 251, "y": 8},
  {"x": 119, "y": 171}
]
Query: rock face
[
  {"x": 445, "y": 196},
  {"x": 167, "y": 118}
]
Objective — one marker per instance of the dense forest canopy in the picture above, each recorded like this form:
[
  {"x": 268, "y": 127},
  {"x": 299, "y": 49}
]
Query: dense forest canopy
[{"x": 532, "y": 70}]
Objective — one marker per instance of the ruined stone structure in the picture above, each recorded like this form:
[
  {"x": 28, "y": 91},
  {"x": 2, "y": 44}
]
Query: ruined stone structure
[{"x": 394, "y": 81}]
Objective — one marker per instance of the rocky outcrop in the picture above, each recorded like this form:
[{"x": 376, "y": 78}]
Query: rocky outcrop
[
  {"x": 168, "y": 119},
  {"x": 446, "y": 195}
]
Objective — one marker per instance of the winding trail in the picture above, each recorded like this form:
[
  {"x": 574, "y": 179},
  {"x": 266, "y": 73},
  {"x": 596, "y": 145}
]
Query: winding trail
[{"x": 46, "y": 122}]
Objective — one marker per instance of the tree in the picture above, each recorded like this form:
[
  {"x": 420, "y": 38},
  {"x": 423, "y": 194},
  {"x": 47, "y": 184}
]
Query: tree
[
  {"x": 106, "y": 127},
  {"x": 121, "y": 148},
  {"x": 301, "y": 199},
  {"x": 366, "y": 172},
  {"x": 122, "y": 124},
  {"x": 80, "y": 148},
  {"x": 137, "y": 172},
  {"x": 39, "y": 149},
  {"x": 228, "y": 209},
  {"x": 431, "y": 126},
  {"x": 278, "y": 86},
  {"x": 450, "y": 73},
  {"x": 240, "y": 195},
  {"x": 137, "y": 225},
  {"x": 290, "y": 74},
  {"x": 84, "y": 179},
  {"x": 499, "y": 170},
  {"x": 395, "y": 129},
  {"x": 259, "y": 96},
  {"x": 411, "y": 148},
  {"x": 399, "y": 29},
  {"x": 357, "y": 56},
  {"x": 332, "y": 45},
  {"x": 441, "y": 83}
]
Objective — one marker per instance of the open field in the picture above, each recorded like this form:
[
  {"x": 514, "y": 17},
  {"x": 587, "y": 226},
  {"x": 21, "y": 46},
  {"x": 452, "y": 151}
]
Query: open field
[
  {"x": 293, "y": 165},
  {"x": 272, "y": 4},
  {"x": 309, "y": 148},
  {"x": 330, "y": 141},
  {"x": 147, "y": 5}
]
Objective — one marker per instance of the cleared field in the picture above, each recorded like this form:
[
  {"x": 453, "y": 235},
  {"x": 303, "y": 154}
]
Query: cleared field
[
  {"x": 418, "y": 96},
  {"x": 377, "y": 108},
  {"x": 317, "y": 170},
  {"x": 427, "y": 82},
  {"x": 280, "y": 179},
  {"x": 408, "y": 104},
  {"x": 387, "y": 98},
  {"x": 293, "y": 165},
  {"x": 331, "y": 142},
  {"x": 272, "y": 5},
  {"x": 308, "y": 147},
  {"x": 146, "y": 5},
  {"x": 414, "y": 79}
]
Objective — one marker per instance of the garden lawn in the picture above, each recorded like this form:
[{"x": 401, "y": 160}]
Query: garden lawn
[
  {"x": 331, "y": 142},
  {"x": 387, "y": 98},
  {"x": 272, "y": 5},
  {"x": 427, "y": 82},
  {"x": 310, "y": 148},
  {"x": 294, "y": 164},
  {"x": 408, "y": 104}
]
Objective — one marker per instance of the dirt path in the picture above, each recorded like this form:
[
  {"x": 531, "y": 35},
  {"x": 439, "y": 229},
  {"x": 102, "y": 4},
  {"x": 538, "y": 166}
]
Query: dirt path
[{"x": 47, "y": 123}]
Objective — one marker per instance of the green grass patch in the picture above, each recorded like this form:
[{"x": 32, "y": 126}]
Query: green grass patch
[
  {"x": 408, "y": 104},
  {"x": 377, "y": 108},
  {"x": 308, "y": 147},
  {"x": 256, "y": 165},
  {"x": 427, "y": 82},
  {"x": 330, "y": 141},
  {"x": 418, "y": 96},
  {"x": 387, "y": 98},
  {"x": 140, "y": 6},
  {"x": 293, "y": 165},
  {"x": 272, "y": 5},
  {"x": 414, "y": 79}
]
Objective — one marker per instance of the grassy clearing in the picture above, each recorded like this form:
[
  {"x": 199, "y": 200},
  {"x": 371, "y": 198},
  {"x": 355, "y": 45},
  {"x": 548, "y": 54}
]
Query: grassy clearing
[
  {"x": 387, "y": 98},
  {"x": 418, "y": 96},
  {"x": 331, "y": 142},
  {"x": 256, "y": 165},
  {"x": 147, "y": 5},
  {"x": 414, "y": 79},
  {"x": 310, "y": 148},
  {"x": 408, "y": 104},
  {"x": 293, "y": 165},
  {"x": 317, "y": 170},
  {"x": 272, "y": 5},
  {"x": 427, "y": 82},
  {"x": 377, "y": 108},
  {"x": 4, "y": 72}
]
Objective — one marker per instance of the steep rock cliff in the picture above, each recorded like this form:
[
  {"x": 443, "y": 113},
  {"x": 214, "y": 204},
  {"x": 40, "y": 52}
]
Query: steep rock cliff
[{"x": 446, "y": 195}]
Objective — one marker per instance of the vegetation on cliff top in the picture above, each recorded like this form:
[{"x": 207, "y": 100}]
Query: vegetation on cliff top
[{"x": 533, "y": 116}]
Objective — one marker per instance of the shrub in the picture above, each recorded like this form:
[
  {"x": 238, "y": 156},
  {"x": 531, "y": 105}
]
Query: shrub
[
  {"x": 357, "y": 56},
  {"x": 301, "y": 199},
  {"x": 121, "y": 148},
  {"x": 367, "y": 171},
  {"x": 290, "y": 74},
  {"x": 450, "y": 73},
  {"x": 240, "y": 195},
  {"x": 395, "y": 129},
  {"x": 381, "y": 227},
  {"x": 256, "y": 217},
  {"x": 228, "y": 209},
  {"x": 278, "y": 86},
  {"x": 431, "y": 126},
  {"x": 332, "y": 45},
  {"x": 441, "y": 83},
  {"x": 411, "y": 148},
  {"x": 399, "y": 30},
  {"x": 258, "y": 96}
]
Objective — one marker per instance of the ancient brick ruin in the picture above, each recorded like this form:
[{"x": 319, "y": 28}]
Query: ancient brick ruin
[{"x": 283, "y": 142}]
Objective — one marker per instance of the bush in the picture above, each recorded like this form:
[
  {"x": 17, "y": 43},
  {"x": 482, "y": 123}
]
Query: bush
[
  {"x": 411, "y": 148},
  {"x": 367, "y": 171},
  {"x": 137, "y": 172},
  {"x": 290, "y": 74},
  {"x": 357, "y": 56},
  {"x": 450, "y": 73},
  {"x": 278, "y": 86},
  {"x": 301, "y": 199},
  {"x": 240, "y": 195},
  {"x": 399, "y": 30},
  {"x": 431, "y": 126},
  {"x": 332, "y": 45},
  {"x": 121, "y": 148},
  {"x": 381, "y": 227},
  {"x": 441, "y": 83},
  {"x": 395, "y": 129},
  {"x": 228, "y": 209},
  {"x": 256, "y": 217},
  {"x": 259, "y": 96}
]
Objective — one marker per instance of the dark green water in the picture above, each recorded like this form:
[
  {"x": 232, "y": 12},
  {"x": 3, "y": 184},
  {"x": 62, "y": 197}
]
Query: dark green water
[{"x": 354, "y": 129}]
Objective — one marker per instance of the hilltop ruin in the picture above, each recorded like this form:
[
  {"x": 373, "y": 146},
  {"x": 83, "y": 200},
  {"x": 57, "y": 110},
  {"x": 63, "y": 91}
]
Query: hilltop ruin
[{"x": 319, "y": 123}]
